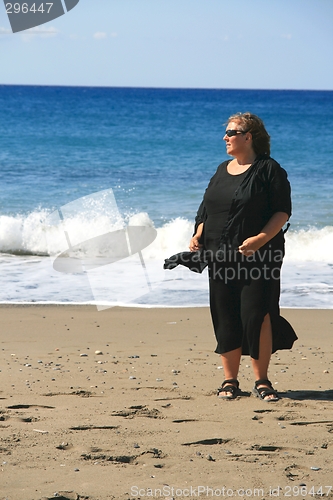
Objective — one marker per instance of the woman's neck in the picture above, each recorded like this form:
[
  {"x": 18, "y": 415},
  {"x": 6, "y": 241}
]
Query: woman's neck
[{"x": 245, "y": 159}]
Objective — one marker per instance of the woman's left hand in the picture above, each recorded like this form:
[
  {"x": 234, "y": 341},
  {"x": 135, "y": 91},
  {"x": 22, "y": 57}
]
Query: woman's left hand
[
  {"x": 273, "y": 226},
  {"x": 251, "y": 245}
]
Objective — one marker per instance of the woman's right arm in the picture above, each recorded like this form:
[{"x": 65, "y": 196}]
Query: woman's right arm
[
  {"x": 194, "y": 243},
  {"x": 199, "y": 221}
]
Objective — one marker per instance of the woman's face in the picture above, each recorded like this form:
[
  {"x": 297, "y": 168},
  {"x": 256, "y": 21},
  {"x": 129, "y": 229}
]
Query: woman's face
[{"x": 237, "y": 143}]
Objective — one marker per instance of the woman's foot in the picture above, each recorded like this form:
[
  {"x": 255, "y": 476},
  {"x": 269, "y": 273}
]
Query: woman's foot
[
  {"x": 229, "y": 389},
  {"x": 263, "y": 389}
]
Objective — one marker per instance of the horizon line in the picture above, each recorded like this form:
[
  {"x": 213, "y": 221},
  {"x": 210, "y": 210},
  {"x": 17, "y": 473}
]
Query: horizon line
[{"x": 162, "y": 88}]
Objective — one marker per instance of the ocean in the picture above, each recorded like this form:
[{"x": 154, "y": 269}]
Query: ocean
[{"x": 78, "y": 163}]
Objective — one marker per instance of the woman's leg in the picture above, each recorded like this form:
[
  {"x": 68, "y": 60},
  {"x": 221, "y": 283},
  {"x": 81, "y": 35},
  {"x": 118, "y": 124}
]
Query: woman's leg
[
  {"x": 260, "y": 365},
  {"x": 257, "y": 327},
  {"x": 230, "y": 363},
  {"x": 225, "y": 312}
]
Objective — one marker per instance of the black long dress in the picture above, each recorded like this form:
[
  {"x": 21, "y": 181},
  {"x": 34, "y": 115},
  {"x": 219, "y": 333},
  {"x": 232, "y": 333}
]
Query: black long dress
[{"x": 243, "y": 290}]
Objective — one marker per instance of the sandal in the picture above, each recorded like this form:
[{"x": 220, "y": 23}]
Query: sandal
[
  {"x": 263, "y": 392},
  {"x": 231, "y": 385}
]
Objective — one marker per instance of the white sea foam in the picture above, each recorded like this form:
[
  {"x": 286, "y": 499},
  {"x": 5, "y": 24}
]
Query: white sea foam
[
  {"x": 23, "y": 234},
  {"x": 307, "y": 276},
  {"x": 32, "y": 234},
  {"x": 314, "y": 245}
]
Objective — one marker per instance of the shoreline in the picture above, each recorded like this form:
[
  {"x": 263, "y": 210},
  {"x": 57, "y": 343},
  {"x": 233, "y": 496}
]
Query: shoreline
[
  {"x": 136, "y": 306},
  {"x": 107, "y": 405}
]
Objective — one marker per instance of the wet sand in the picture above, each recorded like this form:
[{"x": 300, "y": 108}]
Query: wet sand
[{"x": 121, "y": 404}]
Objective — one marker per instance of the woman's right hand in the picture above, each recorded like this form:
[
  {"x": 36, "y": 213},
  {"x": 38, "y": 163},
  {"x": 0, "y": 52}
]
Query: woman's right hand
[{"x": 194, "y": 243}]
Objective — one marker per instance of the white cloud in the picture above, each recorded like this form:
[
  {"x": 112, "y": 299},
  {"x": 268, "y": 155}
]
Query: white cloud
[
  {"x": 42, "y": 32},
  {"x": 99, "y": 35},
  {"x": 288, "y": 36},
  {"x": 29, "y": 34}
]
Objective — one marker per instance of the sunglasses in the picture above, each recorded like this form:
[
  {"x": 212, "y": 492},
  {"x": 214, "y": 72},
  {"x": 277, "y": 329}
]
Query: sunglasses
[{"x": 232, "y": 133}]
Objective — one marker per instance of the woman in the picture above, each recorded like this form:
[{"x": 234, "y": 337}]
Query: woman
[{"x": 239, "y": 226}]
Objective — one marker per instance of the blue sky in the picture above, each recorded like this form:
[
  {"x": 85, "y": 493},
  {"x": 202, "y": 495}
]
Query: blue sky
[{"x": 265, "y": 44}]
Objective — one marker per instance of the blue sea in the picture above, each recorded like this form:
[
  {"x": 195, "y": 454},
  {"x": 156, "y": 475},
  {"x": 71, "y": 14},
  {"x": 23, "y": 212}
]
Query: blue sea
[{"x": 106, "y": 158}]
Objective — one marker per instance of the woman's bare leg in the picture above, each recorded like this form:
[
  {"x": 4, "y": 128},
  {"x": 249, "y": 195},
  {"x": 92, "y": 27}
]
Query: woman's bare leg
[
  {"x": 230, "y": 363},
  {"x": 260, "y": 366}
]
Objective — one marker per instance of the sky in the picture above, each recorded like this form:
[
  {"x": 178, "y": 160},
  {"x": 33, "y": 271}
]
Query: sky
[{"x": 254, "y": 44}]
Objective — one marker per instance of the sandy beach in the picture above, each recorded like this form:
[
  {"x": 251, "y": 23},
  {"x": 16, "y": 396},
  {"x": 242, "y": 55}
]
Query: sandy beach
[{"x": 121, "y": 404}]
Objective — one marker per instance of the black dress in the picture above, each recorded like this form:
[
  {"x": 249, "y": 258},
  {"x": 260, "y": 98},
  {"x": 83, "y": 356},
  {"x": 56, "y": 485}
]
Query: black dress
[{"x": 243, "y": 290}]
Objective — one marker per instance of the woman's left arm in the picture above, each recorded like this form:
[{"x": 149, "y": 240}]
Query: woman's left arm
[{"x": 271, "y": 229}]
